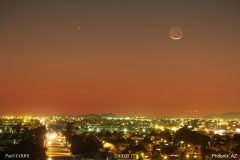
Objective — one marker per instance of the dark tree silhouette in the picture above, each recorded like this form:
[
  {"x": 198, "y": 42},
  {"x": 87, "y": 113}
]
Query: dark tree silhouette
[
  {"x": 85, "y": 145},
  {"x": 189, "y": 136},
  {"x": 236, "y": 149},
  {"x": 139, "y": 148},
  {"x": 170, "y": 149},
  {"x": 32, "y": 143},
  {"x": 69, "y": 131}
]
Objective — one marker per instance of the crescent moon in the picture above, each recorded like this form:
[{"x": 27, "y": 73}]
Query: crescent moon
[
  {"x": 176, "y": 38},
  {"x": 176, "y": 33}
]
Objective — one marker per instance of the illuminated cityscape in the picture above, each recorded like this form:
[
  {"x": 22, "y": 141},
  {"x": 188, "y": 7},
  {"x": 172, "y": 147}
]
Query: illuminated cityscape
[
  {"x": 119, "y": 137},
  {"x": 119, "y": 80}
]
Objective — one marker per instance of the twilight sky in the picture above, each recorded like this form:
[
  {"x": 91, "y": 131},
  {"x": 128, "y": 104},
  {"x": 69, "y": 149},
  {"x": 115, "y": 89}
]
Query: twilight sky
[{"x": 80, "y": 57}]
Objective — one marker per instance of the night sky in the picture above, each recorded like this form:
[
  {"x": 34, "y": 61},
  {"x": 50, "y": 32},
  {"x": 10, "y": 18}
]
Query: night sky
[{"x": 79, "y": 57}]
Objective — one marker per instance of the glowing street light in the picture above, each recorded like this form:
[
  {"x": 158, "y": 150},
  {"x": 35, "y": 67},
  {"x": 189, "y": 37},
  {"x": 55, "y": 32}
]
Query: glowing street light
[{"x": 49, "y": 143}]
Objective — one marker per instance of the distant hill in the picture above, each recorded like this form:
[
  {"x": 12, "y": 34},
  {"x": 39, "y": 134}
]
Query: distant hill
[
  {"x": 108, "y": 115},
  {"x": 100, "y": 115},
  {"x": 229, "y": 115}
]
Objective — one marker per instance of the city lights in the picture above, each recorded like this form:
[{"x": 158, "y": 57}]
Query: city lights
[{"x": 151, "y": 135}]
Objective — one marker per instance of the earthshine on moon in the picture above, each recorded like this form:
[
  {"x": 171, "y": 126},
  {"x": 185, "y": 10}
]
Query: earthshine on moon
[{"x": 176, "y": 33}]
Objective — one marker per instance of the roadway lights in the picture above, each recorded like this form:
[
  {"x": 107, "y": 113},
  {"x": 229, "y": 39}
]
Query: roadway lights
[
  {"x": 52, "y": 136},
  {"x": 49, "y": 143}
]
